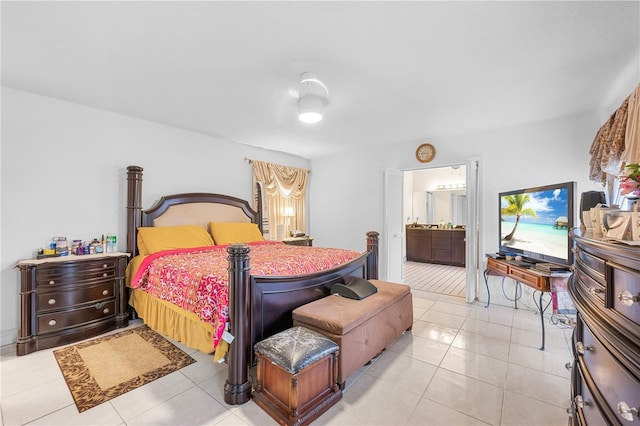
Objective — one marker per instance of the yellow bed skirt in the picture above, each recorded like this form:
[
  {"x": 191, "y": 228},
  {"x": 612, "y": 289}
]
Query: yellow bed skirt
[{"x": 175, "y": 323}]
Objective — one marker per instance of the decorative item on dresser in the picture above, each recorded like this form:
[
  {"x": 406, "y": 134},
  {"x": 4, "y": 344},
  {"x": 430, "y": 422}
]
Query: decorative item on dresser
[
  {"x": 70, "y": 298},
  {"x": 605, "y": 287}
]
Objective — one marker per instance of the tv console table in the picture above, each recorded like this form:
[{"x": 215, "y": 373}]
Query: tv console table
[{"x": 539, "y": 281}]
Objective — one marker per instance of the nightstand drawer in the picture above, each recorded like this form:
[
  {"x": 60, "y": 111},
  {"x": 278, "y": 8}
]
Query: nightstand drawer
[
  {"x": 75, "y": 272},
  {"x": 64, "y": 319},
  {"x": 63, "y": 299}
]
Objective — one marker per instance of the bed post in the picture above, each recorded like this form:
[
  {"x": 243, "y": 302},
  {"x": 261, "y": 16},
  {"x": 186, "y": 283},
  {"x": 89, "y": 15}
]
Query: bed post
[
  {"x": 372, "y": 258},
  {"x": 134, "y": 207},
  {"x": 237, "y": 389}
]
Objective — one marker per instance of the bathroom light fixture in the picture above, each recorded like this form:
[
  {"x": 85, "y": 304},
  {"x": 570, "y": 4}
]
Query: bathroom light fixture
[{"x": 312, "y": 97}]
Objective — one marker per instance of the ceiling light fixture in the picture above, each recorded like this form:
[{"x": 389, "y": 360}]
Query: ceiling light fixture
[{"x": 312, "y": 98}]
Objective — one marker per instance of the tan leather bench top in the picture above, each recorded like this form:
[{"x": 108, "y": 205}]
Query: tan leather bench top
[{"x": 339, "y": 315}]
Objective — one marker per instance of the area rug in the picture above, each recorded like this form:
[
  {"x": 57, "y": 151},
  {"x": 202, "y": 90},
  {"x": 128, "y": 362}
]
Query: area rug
[{"x": 103, "y": 368}]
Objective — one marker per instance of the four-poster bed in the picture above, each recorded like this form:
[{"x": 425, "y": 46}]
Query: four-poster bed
[{"x": 258, "y": 305}]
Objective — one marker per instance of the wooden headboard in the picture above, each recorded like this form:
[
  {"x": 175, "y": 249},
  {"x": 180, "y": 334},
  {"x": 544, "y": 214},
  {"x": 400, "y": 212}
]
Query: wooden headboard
[{"x": 183, "y": 209}]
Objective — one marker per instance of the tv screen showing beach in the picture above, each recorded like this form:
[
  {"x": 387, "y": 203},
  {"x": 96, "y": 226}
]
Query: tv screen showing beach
[{"x": 536, "y": 222}]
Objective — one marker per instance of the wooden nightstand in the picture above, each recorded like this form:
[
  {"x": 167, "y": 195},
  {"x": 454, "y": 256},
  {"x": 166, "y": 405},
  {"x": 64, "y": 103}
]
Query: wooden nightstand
[
  {"x": 299, "y": 241},
  {"x": 70, "y": 298}
]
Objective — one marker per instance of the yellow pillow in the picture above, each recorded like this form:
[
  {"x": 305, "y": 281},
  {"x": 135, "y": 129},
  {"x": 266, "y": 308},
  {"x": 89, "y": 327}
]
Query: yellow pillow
[
  {"x": 234, "y": 232},
  {"x": 152, "y": 240}
]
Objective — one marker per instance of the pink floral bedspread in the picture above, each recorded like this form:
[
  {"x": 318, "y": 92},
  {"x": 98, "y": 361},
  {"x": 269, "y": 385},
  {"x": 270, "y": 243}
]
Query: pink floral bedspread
[{"x": 196, "y": 279}]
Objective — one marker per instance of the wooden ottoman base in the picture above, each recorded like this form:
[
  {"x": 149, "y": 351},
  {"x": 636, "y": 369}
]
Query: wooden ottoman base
[
  {"x": 361, "y": 328},
  {"x": 296, "y": 398}
]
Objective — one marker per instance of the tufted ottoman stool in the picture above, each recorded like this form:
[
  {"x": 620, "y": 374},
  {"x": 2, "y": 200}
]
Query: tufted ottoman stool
[{"x": 296, "y": 375}]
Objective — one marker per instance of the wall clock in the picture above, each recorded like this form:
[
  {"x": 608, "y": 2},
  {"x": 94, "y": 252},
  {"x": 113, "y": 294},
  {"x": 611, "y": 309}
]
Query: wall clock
[{"x": 425, "y": 153}]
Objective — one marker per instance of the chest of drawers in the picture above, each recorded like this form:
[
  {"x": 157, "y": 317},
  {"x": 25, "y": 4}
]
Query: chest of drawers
[
  {"x": 605, "y": 287},
  {"x": 70, "y": 298}
]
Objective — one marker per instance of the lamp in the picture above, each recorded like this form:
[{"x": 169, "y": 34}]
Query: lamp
[
  {"x": 312, "y": 97},
  {"x": 288, "y": 213}
]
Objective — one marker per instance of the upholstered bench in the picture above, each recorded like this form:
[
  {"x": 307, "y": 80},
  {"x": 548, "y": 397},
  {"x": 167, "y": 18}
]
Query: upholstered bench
[
  {"x": 361, "y": 328},
  {"x": 296, "y": 375}
]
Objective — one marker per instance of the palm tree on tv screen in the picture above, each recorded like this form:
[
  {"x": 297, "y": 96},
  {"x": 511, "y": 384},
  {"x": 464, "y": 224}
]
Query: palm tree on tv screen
[{"x": 516, "y": 207}]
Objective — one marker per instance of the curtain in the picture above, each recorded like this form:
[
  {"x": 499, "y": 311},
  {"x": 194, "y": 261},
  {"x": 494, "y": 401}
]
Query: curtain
[
  {"x": 285, "y": 190},
  {"x": 616, "y": 144}
]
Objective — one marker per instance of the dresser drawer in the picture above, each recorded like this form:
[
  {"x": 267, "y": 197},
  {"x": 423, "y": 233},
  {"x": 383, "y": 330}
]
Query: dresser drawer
[
  {"x": 585, "y": 406},
  {"x": 625, "y": 285},
  {"x": 613, "y": 381},
  {"x": 63, "y": 299},
  {"x": 589, "y": 287},
  {"x": 54, "y": 321},
  {"x": 75, "y": 272},
  {"x": 593, "y": 264}
]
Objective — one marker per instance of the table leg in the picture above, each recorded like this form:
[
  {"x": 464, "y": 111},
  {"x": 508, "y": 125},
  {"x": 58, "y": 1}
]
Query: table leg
[
  {"x": 486, "y": 283},
  {"x": 542, "y": 319}
]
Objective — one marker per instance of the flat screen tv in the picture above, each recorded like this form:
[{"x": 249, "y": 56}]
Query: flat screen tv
[{"x": 535, "y": 222}]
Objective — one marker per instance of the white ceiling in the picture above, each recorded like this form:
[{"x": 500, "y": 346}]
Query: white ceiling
[{"x": 396, "y": 71}]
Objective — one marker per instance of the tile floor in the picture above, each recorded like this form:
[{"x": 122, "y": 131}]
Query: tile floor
[{"x": 461, "y": 365}]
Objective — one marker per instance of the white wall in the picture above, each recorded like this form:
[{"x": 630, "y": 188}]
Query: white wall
[
  {"x": 516, "y": 157},
  {"x": 64, "y": 170}
]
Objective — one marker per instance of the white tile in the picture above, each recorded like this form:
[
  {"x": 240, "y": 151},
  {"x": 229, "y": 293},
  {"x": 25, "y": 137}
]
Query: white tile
[
  {"x": 410, "y": 374},
  {"x": 539, "y": 385},
  {"x": 337, "y": 416},
  {"x": 139, "y": 400},
  {"x": 420, "y": 348},
  {"x": 251, "y": 414},
  {"x": 422, "y": 303},
  {"x": 191, "y": 407},
  {"x": 103, "y": 414},
  {"x": 519, "y": 410},
  {"x": 378, "y": 402},
  {"x": 549, "y": 362},
  {"x": 533, "y": 339},
  {"x": 493, "y": 315},
  {"x": 433, "y": 414},
  {"x": 485, "y": 328},
  {"x": 452, "y": 308},
  {"x": 20, "y": 373},
  {"x": 203, "y": 368},
  {"x": 490, "y": 346},
  {"x": 432, "y": 331},
  {"x": 475, "y": 365},
  {"x": 480, "y": 400},
  {"x": 231, "y": 420},
  {"x": 36, "y": 402},
  {"x": 443, "y": 318}
]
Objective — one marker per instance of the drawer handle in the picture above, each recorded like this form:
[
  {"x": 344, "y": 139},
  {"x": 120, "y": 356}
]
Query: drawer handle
[
  {"x": 595, "y": 290},
  {"x": 52, "y": 322},
  {"x": 105, "y": 292},
  {"x": 627, "y": 299},
  {"x": 581, "y": 348},
  {"x": 626, "y": 412},
  {"x": 104, "y": 266},
  {"x": 52, "y": 301},
  {"x": 52, "y": 282},
  {"x": 105, "y": 311},
  {"x": 577, "y": 403},
  {"x": 105, "y": 274},
  {"x": 572, "y": 268},
  {"x": 99, "y": 305}
]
